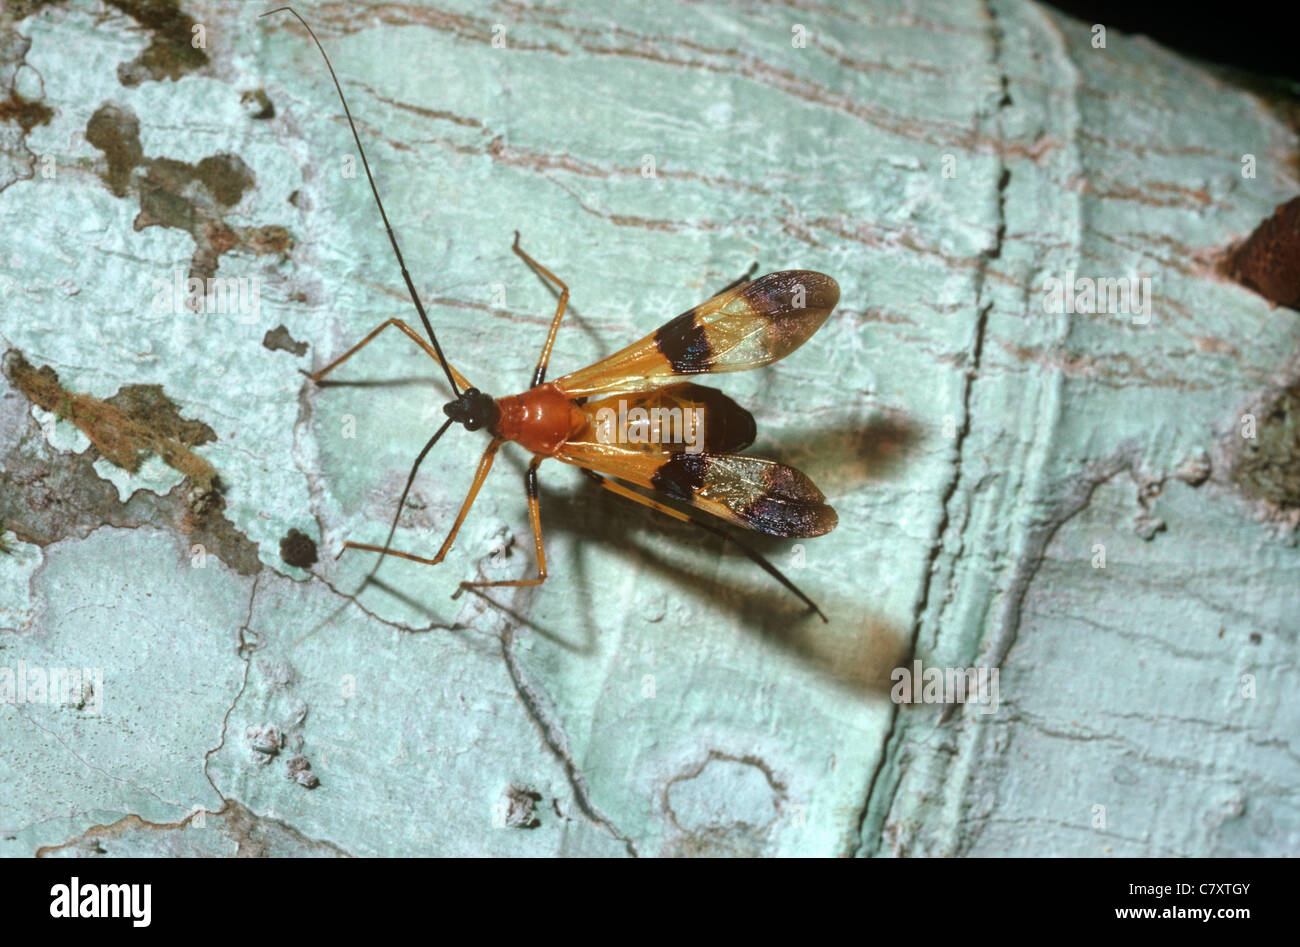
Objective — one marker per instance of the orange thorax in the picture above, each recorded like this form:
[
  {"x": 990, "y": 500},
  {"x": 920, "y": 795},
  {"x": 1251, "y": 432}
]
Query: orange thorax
[{"x": 540, "y": 419}]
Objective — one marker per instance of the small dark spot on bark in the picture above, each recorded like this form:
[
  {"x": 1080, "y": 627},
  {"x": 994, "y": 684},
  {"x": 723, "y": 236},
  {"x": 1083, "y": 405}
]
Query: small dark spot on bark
[
  {"x": 258, "y": 104},
  {"x": 299, "y": 770},
  {"x": 116, "y": 132},
  {"x": 18, "y": 10},
  {"x": 265, "y": 739},
  {"x": 1256, "y": 637},
  {"x": 171, "y": 52},
  {"x": 279, "y": 339},
  {"x": 1269, "y": 261},
  {"x": 226, "y": 177},
  {"x": 17, "y": 110},
  {"x": 25, "y": 112},
  {"x": 268, "y": 239},
  {"x": 298, "y": 549},
  {"x": 1267, "y": 466},
  {"x": 521, "y": 807}
]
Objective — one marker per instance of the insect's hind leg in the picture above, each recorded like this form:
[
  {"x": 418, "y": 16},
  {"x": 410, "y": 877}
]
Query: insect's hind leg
[
  {"x": 617, "y": 488},
  {"x": 415, "y": 337},
  {"x": 539, "y": 374},
  {"x": 535, "y": 516},
  {"x": 744, "y": 278}
]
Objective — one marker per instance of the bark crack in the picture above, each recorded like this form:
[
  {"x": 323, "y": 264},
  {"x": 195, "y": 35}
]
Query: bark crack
[
  {"x": 554, "y": 738},
  {"x": 973, "y": 355}
]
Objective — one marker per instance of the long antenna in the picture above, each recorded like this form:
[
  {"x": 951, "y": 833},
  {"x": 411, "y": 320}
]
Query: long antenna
[
  {"x": 754, "y": 555},
  {"x": 407, "y": 489},
  {"x": 761, "y": 560},
  {"x": 415, "y": 297},
  {"x": 410, "y": 479}
]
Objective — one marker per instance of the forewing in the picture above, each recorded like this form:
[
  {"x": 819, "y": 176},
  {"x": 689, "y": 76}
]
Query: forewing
[{"x": 751, "y": 325}]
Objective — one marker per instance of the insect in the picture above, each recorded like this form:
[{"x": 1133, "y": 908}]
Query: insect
[{"x": 748, "y": 324}]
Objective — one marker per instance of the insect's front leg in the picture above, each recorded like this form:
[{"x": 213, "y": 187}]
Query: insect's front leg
[
  {"x": 415, "y": 337},
  {"x": 535, "y": 515},
  {"x": 484, "y": 465}
]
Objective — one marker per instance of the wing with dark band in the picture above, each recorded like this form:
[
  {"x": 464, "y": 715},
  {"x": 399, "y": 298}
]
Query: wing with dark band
[{"x": 751, "y": 325}]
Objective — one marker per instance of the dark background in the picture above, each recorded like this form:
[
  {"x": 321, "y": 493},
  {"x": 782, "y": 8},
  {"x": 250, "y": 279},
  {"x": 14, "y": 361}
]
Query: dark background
[{"x": 1261, "y": 38}]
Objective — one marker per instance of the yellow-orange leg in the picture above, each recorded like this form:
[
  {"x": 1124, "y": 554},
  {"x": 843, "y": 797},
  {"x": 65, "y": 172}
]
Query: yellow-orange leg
[
  {"x": 415, "y": 337},
  {"x": 617, "y": 488},
  {"x": 539, "y": 375},
  {"x": 484, "y": 465},
  {"x": 535, "y": 515}
]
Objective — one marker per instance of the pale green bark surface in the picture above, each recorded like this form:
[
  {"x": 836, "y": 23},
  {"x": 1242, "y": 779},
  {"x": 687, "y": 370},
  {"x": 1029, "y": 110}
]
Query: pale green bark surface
[{"x": 659, "y": 694}]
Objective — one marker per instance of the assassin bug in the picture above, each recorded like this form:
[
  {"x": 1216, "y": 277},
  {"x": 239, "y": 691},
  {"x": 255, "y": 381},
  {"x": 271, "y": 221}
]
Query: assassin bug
[{"x": 748, "y": 324}]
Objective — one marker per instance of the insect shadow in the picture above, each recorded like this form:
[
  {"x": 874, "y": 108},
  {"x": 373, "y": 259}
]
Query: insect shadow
[{"x": 858, "y": 653}]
